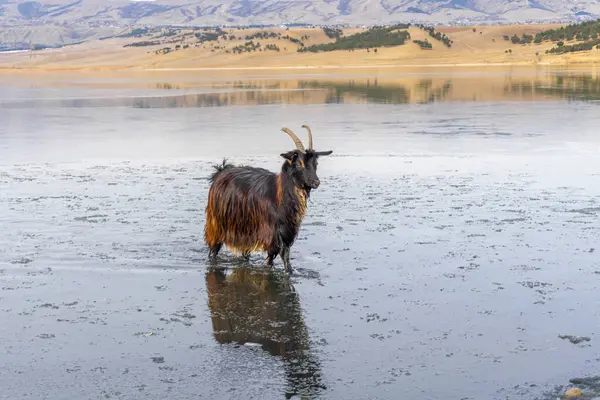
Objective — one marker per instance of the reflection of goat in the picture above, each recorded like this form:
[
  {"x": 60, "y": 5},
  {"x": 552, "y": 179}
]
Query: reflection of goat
[
  {"x": 251, "y": 209},
  {"x": 262, "y": 307}
]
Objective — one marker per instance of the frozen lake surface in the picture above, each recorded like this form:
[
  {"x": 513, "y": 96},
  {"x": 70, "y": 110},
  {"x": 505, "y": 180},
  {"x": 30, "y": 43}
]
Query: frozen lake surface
[{"x": 450, "y": 244}]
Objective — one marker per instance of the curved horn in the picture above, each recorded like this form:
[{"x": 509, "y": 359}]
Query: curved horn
[
  {"x": 309, "y": 136},
  {"x": 297, "y": 141}
]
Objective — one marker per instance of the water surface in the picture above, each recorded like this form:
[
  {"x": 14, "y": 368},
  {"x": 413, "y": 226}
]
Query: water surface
[{"x": 454, "y": 237}]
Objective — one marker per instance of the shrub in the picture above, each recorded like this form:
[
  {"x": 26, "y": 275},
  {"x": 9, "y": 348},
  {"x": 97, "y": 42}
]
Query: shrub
[
  {"x": 333, "y": 33},
  {"x": 423, "y": 44},
  {"x": 142, "y": 44}
]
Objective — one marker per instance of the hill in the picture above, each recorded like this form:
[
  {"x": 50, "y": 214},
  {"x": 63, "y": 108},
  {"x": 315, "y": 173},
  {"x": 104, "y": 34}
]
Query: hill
[
  {"x": 299, "y": 48},
  {"x": 60, "y": 22}
]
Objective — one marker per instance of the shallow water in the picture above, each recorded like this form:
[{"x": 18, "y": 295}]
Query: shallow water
[{"x": 449, "y": 245}]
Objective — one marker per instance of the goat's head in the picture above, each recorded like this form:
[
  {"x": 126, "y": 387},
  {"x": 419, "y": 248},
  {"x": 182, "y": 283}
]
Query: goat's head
[{"x": 301, "y": 164}]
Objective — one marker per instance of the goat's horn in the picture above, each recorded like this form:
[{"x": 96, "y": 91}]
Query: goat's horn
[
  {"x": 309, "y": 136},
  {"x": 297, "y": 141}
]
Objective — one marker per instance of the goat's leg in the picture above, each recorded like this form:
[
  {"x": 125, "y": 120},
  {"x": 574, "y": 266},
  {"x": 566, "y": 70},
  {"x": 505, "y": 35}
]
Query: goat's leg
[
  {"x": 271, "y": 257},
  {"x": 285, "y": 256},
  {"x": 214, "y": 250},
  {"x": 275, "y": 249}
]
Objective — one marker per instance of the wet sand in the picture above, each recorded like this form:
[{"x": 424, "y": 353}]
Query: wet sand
[{"x": 448, "y": 247}]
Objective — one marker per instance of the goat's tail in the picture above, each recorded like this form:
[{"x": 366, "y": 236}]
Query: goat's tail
[{"x": 220, "y": 168}]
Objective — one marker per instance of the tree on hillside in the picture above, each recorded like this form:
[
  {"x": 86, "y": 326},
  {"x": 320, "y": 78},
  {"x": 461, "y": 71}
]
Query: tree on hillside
[
  {"x": 581, "y": 31},
  {"x": 423, "y": 44},
  {"x": 332, "y": 33},
  {"x": 373, "y": 37},
  {"x": 583, "y": 46},
  {"x": 437, "y": 35}
]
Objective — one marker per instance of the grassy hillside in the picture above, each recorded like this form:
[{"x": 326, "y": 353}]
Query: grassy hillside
[{"x": 189, "y": 48}]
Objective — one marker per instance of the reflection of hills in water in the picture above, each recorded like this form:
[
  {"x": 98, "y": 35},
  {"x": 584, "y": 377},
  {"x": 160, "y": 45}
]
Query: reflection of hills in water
[
  {"x": 374, "y": 92},
  {"x": 261, "y": 306},
  {"x": 572, "y": 87},
  {"x": 354, "y": 91}
]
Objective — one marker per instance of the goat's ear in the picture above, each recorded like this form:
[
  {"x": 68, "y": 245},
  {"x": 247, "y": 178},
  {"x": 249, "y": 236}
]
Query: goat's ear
[
  {"x": 323, "y": 153},
  {"x": 290, "y": 155}
]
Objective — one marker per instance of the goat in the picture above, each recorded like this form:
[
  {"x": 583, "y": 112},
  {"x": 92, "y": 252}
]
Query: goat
[{"x": 252, "y": 209}]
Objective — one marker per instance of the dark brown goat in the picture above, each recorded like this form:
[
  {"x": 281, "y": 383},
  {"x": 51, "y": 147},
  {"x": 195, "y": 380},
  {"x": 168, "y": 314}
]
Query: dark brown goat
[{"x": 252, "y": 209}]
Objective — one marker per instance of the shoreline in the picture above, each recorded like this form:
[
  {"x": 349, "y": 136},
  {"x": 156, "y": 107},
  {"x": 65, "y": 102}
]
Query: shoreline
[{"x": 116, "y": 69}]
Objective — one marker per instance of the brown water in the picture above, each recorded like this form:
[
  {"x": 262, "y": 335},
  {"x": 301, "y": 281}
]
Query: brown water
[{"x": 452, "y": 240}]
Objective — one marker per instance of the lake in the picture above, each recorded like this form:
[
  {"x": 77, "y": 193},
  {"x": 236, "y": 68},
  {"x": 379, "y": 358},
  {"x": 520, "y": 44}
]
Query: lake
[{"x": 451, "y": 251}]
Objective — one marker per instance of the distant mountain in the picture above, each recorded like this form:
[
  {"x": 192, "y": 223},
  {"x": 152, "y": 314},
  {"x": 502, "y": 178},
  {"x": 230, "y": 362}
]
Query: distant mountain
[{"x": 58, "y": 22}]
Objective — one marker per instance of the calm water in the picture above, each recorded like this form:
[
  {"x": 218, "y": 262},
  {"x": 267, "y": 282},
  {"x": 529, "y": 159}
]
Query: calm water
[{"x": 454, "y": 237}]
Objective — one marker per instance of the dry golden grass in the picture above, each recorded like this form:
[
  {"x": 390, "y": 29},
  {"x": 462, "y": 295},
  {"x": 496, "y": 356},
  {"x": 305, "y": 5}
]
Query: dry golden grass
[{"x": 485, "y": 47}]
